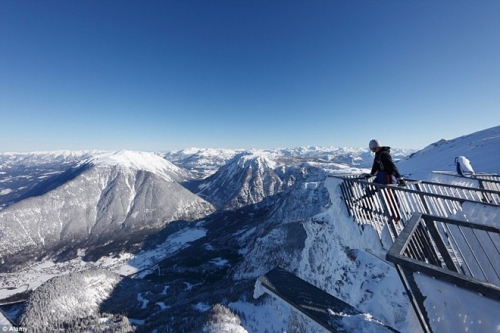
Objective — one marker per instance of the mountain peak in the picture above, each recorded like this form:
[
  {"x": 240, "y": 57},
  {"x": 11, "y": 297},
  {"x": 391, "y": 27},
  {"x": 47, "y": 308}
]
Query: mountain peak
[
  {"x": 262, "y": 159},
  {"x": 135, "y": 160}
]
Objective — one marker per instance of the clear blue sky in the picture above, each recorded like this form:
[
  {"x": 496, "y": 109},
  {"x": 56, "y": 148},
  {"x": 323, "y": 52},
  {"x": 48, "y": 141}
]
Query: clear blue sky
[{"x": 164, "y": 75}]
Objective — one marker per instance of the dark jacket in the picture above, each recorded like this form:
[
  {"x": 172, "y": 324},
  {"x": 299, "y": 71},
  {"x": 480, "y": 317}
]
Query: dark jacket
[{"x": 383, "y": 166}]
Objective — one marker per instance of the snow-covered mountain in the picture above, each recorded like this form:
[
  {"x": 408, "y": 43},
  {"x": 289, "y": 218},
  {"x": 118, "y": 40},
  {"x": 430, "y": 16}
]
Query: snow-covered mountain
[
  {"x": 110, "y": 198},
  {"x": 246, "y": 179},
  {"x": 201, "y": 162},
  {"x": 356, "y": 157},
  {"x": 205, "y": 162},
  {"x": 90, "y": 289},
  {"x": 140, "y": 161},
  {"x": 273, "y": 207},
  {"x": 481, "y": 148},
  {"x": 261, "y": 176},
  {"x": 29, "y": 174}
]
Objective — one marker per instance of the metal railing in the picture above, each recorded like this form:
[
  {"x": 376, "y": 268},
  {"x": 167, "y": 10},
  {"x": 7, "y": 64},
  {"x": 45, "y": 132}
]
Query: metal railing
[
  {"x": 459, "y": 191},
  {"x": 391, "y": 206},
  {"x": 425, "y": 239},
  {"x": 462, "y": 253},
  {"x": 480, "y": 180}
]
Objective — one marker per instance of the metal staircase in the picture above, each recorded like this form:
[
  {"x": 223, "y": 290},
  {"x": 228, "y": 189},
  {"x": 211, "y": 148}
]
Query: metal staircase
[{"x": 431, "y": 233}]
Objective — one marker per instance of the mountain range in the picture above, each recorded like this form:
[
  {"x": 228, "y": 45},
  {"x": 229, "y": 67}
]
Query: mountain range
[{"x": 174, "y": 241}]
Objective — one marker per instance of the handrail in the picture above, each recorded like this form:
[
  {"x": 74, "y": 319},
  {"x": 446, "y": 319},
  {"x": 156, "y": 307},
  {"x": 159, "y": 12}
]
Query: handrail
[
  {"x": 390, "y": 206},
  {"x": 470, "y": 250},
  {"x": 462, "y": 253},
  {"x": 466, "y": 192},
  {"x": 425, "y": 239},
  {"x": 484, "y": 180},
  {"x": 471, "y": 193}
]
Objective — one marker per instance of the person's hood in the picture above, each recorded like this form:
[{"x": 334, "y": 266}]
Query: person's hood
[{"x": 385, "y": 149}]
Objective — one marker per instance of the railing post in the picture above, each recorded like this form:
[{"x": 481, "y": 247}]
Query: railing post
[
  {"x": 416, "y": 298},
  {"x": 436, "y": 236}
]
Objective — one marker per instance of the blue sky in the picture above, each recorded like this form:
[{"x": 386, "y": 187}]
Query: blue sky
[{"x": 165, "y": 75}]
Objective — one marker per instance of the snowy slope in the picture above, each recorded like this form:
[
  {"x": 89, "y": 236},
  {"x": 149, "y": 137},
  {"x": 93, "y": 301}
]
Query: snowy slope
[
  {"x": 53, "y": 306},
  {"x": 256, "y": 176},
  {"x": 330, "y": 251},
  {"x": 201, "y": 162},
  {"x": 481, "y": 148},
  {"x": 246, "y": 179},
  {"x": 205, "y": 162},
  {"x": 38, "y": 158},
  {"x": 355, "y": 157},
  {"x": 140, "y": 161},
  {"x": 288, "y": 213},
  {"x": 113, "y": 197},
  {"x": 342, "y": 259},
  {"x": 29, "y": 174},
  {"x": 4, "y": 321},
  {"x": 24, "y": 175}
]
